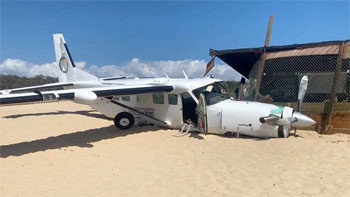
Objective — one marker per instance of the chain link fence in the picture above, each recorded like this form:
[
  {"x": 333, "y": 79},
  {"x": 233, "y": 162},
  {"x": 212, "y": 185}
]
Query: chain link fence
[{"x": 281, "y": 78}]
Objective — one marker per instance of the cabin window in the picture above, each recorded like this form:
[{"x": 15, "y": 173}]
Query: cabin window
[
  {"x": 125, "y": 98},
  {"x": 141, "y": 98},
  {"x": 158, "y": 98},
  {"x": 172, "y": 99},
  {"x": 116, "y": 98}
]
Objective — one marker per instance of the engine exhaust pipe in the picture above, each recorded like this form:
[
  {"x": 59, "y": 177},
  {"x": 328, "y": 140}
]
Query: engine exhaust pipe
[{"x": 269, "y": 119}]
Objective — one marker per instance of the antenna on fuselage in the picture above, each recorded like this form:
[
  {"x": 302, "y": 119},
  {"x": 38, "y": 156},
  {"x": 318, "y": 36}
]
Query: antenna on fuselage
[{"x": 183, "y": 71}]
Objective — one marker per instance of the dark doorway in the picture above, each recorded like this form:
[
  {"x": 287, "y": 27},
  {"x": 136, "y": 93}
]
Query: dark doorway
[{"x": 189, "y": 108}]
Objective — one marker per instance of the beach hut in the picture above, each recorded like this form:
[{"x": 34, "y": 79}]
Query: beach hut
[{"x": 276, "y": 71}]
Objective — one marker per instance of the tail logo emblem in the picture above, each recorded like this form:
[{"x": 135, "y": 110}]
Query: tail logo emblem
[{"x": 63, "y": 64}]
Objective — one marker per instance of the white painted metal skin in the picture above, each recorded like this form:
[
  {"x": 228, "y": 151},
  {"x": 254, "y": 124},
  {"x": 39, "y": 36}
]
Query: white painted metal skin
[
  {"x": 241, "y": 117},
  {"x": 224, "y": 115},
  {"x": 172, "y": 114}
]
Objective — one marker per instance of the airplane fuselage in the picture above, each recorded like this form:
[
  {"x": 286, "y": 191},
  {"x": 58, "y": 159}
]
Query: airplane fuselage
[{"x": 175, "y": 107}]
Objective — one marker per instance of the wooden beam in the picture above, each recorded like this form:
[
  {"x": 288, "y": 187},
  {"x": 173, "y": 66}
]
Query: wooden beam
[
  {"x": 268, "y": 33},
  {"x": 263, "y": 56},
  {"x": 333, "y": 94}
]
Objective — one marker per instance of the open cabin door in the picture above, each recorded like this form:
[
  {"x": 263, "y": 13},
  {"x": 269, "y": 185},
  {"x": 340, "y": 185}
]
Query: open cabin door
[{"x": 202, "y": 114}]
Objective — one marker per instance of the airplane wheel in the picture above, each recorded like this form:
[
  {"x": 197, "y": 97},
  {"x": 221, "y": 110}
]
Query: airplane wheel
[
  {"x": 280, "y": 132},
  {"x": 124, "y": 120}
]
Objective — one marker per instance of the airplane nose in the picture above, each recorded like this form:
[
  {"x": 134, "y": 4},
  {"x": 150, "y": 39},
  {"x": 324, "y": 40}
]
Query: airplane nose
[{"x": 302, "y": 120}]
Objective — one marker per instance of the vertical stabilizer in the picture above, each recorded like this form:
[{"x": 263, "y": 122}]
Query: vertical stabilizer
[{"x": 67, "y": 70}]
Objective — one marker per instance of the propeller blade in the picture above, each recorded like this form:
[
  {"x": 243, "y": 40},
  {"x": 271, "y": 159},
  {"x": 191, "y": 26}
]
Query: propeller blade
[
  {"x": 283, "y": 131},
  {"x": 285, "y": 121},
  {"x": 302, "y": 91}
]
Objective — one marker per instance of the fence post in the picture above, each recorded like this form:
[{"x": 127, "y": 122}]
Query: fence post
[
  {"x": 332, "y": 97},
  {"x": 263, "y": 57}
]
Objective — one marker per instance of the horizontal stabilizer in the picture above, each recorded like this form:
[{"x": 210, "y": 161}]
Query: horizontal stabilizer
[{"x": 113, "y": 78}]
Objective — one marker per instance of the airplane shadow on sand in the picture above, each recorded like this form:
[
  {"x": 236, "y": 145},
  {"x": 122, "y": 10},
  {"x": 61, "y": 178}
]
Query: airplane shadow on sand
[
  {"x": 89, "y": 113},
  {"x": 81, "y": 139},
  {"x": 84, "y": 139},
  {"x": 196, "y": 135}
]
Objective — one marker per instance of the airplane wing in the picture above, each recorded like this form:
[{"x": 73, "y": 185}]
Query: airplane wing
[
  {"x": 80, "y": 94},
  {"x": 38, "y": 87}
]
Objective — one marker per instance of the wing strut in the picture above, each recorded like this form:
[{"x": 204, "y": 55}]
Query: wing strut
[
  {"x": 137, "y": 111},
  {"x": 39, "y": 93}
]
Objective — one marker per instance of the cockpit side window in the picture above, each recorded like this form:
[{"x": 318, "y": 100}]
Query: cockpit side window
[
  {"x": 213, "y": 93},
  {"x": 213, "y": 98}
]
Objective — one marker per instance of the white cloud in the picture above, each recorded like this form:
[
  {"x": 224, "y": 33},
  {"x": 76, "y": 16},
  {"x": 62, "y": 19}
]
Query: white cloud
[
  {"x": 132, "y": 68},
  {"x": 23, "y": 68}
]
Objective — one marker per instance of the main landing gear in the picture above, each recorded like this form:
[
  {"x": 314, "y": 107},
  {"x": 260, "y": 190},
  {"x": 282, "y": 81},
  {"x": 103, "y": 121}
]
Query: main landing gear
[{"x": 124, "y": 120}]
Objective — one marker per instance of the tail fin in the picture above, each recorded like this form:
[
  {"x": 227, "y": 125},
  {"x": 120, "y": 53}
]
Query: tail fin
[{"x": 67, "y": 71}]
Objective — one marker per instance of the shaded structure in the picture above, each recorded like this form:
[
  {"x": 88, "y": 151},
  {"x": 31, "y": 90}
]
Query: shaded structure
[
  {"x": 278, "y": 74},
  {"x": 285, "y": 65}
]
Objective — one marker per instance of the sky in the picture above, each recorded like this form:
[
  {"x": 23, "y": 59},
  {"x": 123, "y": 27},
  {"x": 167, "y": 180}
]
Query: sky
[{"x": 106, "y": 37}]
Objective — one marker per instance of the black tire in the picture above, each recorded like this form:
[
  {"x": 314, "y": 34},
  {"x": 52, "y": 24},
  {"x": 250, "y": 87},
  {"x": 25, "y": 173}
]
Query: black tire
[
  {"x": 124, "y": 120},
  {"x": 280, "y": 132}
]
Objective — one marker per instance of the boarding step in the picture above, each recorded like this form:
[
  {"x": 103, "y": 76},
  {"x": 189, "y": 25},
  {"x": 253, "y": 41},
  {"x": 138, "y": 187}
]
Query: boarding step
[{"x": 186, "y": 128}]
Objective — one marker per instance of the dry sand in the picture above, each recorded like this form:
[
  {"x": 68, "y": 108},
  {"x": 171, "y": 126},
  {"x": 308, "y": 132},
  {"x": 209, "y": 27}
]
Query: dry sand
[{"x": 61, "y": 149}]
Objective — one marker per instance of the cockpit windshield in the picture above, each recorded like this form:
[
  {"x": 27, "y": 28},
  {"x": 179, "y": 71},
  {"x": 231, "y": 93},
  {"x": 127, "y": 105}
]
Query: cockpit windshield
[{"x": 213, "y": 93}]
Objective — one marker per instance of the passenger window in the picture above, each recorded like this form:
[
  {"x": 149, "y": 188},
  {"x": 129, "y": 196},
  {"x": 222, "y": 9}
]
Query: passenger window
[
  {"x": 116, "y": 98},
  {"x": 158, "y": 98},
  {"x": 125, "y": 98},
  {"x": 141, "y": 98},
  {"x": 172, "y": 99}
]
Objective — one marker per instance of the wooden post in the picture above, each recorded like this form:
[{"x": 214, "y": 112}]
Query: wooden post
[
  {"x": 333, "y": 94},
  {"x": 268, "y": 33},
  {"x": 263, "y": 57}
]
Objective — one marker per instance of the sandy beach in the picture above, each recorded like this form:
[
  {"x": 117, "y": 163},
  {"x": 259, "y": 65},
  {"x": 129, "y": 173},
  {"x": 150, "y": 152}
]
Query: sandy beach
[{"x": 67, "y": 149}]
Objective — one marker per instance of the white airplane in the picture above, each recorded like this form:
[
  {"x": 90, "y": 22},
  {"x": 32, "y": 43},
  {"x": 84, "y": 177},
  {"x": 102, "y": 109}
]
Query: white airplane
[{"x": 162, "y": 101}]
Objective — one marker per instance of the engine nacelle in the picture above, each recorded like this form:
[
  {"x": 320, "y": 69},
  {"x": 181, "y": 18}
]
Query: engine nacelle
[{"x": 85, "y": 97}]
